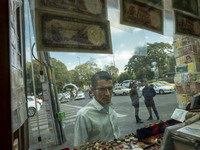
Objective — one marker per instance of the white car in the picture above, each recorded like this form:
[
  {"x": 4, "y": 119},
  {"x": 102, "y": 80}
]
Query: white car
[
  {"x": 31, "y": 105},
  {"x": 80, "y": 95},
  {"x": 160, "y": 88},
  {"x": 64, "y": 97},
  {"x": 121, "y": 91}
]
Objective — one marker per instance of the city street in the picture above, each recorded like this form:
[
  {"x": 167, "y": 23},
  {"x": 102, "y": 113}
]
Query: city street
[{"x": 165, "y": 103}]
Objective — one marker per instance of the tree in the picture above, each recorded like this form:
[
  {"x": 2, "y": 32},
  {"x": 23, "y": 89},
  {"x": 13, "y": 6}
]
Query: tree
[
  {"x": 82, "y": 74},
  {"x": 141, "y": 65},
  {"x": 124, "y": 76},
  {"x": 171, "y": 64},
  {"x": 111, "y": 69},
  {"x": 61, "y": 73},
  {"x": 38, "y": 85}
]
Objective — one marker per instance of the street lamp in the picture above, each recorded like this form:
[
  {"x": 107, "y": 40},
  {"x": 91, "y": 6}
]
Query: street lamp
[{"x": 78, "y": 59}]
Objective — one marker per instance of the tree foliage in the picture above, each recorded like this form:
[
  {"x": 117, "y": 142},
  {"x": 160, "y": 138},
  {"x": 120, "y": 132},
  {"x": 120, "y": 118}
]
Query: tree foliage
[
  {"x": 124, "y": 76},
  {"x": 82, "y": 74},
  {"x": 61, "y": 73},
  {"x": 113, "y": 71},
  {"x": 38, "y": 85},
  {"x": 141, "y": 65}
]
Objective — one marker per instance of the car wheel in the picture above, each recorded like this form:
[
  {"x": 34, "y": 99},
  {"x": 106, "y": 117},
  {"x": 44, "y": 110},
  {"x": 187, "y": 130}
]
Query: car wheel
[
  {"x": 31, "y": 111},
  {"x": 161, "y": 92},
  {"x": 124, "y": 93}
]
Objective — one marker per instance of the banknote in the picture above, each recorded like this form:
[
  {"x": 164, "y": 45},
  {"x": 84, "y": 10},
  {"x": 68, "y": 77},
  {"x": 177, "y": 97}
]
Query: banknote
[
  {"x": 138, "y": 14},
  {"x": 57, "y": 31}
]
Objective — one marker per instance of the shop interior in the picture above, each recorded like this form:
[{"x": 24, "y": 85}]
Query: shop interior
[{"x": 52, "y": 49}]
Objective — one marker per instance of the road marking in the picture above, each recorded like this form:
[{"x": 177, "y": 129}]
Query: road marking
[{"x": 73, "y": 106}]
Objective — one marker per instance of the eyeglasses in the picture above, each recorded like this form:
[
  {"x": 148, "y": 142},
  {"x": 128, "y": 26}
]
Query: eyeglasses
[{"x": 105, "y": 89}]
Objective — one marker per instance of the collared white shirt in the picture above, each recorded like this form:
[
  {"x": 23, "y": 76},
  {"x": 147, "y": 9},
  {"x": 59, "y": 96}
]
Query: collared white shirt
[{"x": 93, "y": 123}]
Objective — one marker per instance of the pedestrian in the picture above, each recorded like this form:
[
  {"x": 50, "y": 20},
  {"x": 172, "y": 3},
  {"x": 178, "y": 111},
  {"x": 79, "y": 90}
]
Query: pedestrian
[
  {"x": 149, "y": 93},
  {"x": 71, "y": 94},
  {"x": 90, "y": 93},
  {"x": 135, "y": 100},
  {"x": 98, "y": 119}
]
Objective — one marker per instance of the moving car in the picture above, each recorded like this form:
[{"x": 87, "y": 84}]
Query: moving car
[
  {"x": 31, "y": 105},
  {"x": 160, "y": 88},
  {"x": 121, "y": 91},
  {"x": 64, "y": 97},
  {"x": 166, "y": 83},
  {"x": 126, "y": 83},
  {"x": 80, "y": 95}
]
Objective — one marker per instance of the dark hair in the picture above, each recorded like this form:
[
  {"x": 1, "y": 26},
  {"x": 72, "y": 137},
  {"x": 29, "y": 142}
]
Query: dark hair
[{"x": 102, "y": 75}]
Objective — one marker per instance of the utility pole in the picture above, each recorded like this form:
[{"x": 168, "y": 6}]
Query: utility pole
[
  {"x": 113, "y": 60},
  {"x": 79, "y": 59}
]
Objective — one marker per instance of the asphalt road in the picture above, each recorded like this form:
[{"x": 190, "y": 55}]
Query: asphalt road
[{"x": 165, "y": 103}]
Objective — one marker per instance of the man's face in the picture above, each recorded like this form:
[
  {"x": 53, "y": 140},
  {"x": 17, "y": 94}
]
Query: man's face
[
  {"x": 135, "y": 84},
  {"x": 103, "y": 92},
  {"x": 145, "y": 84}
]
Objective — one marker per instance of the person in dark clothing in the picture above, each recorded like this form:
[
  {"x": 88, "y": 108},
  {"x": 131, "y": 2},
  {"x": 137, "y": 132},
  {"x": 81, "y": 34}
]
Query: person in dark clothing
[
  {"x": 135, "y": 101},
  {"x": 149, "y": 93}
]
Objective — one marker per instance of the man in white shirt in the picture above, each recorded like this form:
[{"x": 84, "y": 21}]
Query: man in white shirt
[{"x": 98, "y": 119}]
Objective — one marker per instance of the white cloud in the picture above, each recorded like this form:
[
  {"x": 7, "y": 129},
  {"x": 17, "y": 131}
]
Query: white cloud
[
  {"x": 72, "y": 54},
  {"x": 122, "y": 45},
  {"x": 120, "y": 59}
]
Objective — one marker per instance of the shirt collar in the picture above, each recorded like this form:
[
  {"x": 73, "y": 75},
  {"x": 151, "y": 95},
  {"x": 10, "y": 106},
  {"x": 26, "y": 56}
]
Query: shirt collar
[{"x": 98, "y": 105}]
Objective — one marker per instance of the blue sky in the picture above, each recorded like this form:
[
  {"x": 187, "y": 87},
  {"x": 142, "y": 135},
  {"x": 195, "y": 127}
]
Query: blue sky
[{"x": 125, "y": 39}]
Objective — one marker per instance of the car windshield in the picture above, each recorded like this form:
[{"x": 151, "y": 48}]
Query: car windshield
[
  {"x": 30, "y": 99},
  {"x": 164, "y": 82},
  {"x": 123, "y": 88},
  {"x": 158, "y": 84},
  {"x": 59, "y": 95},
  {"x": 80, "y": 92}
]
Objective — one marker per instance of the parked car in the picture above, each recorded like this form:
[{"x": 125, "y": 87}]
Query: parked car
[
  {"x": 166, "y": 83},
  {"x": 121, "y": 91},
  {"x": 80, "y": 95},
  {"x": 31, "y": 105},
  {"x": 64, "y": 97},
  {"x": 39, "y": 101},
  {"x": 160, "y": 88}
]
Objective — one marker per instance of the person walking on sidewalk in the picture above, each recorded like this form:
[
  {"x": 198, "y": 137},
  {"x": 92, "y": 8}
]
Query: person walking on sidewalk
[
  {"x": 135, "y": 101},
  {"x": 149, "y": 93}
]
